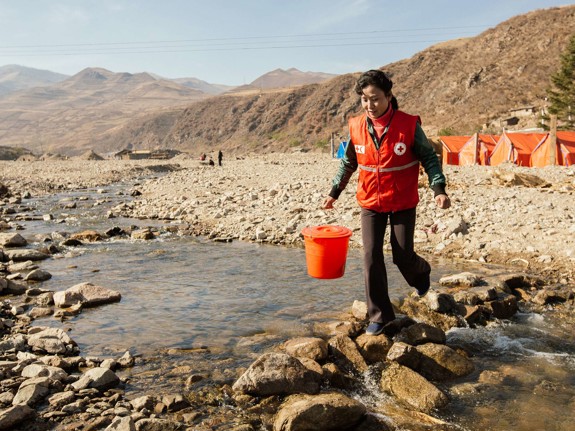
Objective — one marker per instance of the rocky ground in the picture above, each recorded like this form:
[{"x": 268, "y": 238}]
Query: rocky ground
[{"x": 519, "y": 218}]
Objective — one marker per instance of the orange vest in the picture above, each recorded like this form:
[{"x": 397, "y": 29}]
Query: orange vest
[{"x": 388, "y": 177}]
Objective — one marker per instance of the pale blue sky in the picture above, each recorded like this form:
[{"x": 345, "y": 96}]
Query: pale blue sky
[{"x": 234, "y": 42}]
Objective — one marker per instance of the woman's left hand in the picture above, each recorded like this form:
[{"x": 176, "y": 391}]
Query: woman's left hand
[{"x": 443, "y": 201}]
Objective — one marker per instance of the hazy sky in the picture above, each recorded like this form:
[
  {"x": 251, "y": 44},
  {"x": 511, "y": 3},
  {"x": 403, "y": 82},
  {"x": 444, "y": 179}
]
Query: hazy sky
[{"x": 235, "y": 41}]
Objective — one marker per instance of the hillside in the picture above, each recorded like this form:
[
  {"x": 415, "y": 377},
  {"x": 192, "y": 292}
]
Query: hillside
[
  {"x": 462, "y": 84},
  {"x": 69, "y": 117}
]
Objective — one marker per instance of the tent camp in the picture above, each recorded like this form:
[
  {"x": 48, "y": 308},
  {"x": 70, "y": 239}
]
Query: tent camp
[
  {"x": 564, "y": 150},
  {"x": 477, "y": 149},
  {"x": 450, "y": 146},
  {"x": 515, "y": 148}
]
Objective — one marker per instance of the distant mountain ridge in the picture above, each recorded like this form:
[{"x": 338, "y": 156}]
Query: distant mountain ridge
[
  {"x": 462, "y": 85},
  {"x": 280, "y": 78},
  {"x": 14, "y": 78}
]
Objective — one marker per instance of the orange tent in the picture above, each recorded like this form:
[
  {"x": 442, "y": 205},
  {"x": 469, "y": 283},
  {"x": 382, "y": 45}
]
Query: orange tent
[
  {"x": 451, "y": 145},
  {"x": 564, "y": 150},
  {"x": 515, "y": 148},
  {"x": 477, "y": 149},
  {"x": 566, "y": 141}
]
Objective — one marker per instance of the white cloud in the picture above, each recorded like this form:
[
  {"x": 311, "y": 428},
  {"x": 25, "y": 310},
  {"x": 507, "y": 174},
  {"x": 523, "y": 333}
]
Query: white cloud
[{"x": 339, "y": 12}]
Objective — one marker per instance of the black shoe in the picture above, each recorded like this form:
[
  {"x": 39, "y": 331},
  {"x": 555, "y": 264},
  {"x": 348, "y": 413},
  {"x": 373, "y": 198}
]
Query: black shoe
[
  {"x": 422, "y": 291},
  {"x": 374, "y": 328}
]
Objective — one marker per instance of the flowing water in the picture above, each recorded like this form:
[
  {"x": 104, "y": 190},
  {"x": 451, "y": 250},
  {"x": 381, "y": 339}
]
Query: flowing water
[{"x": 193, "y": 306}]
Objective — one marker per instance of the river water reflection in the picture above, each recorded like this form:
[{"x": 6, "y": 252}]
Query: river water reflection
[{"x": 190, "y": 302}]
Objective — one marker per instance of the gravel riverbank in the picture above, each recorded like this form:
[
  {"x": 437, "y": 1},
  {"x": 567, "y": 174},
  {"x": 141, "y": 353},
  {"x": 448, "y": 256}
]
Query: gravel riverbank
[{"x": 519, "y": 218}]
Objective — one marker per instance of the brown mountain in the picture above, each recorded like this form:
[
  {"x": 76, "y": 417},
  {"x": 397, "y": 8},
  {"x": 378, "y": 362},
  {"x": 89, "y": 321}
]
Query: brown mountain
[
  {"x": 281, "y": 78},
  {"x": 463, "y": 84},
  {"x": 14, "y": 78},
  {"x": 69, "y": 116}
]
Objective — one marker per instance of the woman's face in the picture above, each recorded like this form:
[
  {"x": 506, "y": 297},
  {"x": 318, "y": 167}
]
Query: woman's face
[{"x": 374, "y": 101}]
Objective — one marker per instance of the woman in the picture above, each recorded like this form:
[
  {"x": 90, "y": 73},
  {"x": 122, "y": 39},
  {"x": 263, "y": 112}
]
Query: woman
[{"x": 387, "y": 145}]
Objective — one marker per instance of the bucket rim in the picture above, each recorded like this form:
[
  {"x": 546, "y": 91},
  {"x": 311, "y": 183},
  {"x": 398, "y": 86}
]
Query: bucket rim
[{"x": 326, "y": 231}]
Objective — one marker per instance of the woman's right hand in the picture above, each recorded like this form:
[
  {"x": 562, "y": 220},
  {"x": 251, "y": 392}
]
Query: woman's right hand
[{"x": 328, "y": 203}]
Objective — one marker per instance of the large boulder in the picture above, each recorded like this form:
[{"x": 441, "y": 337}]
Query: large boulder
[
  {"x": 87, "y": 294},
  {"x": 439, "y": 362},
  {"x": 412, "y": 388},
  {"x": 346, "y": 354},
  {"x": 32, "y": 391},
  {"x": 12, "y": 240},
  {"x": 53, "y": 341},
  {"x": 23, "y": 254},
  {"x": 307, "y": 347},
  {"x": 420, "y": 311},
  {"x": 277, "y": 374},
  {"x": 97, "y": 378},
  {"x": 323, "y": 412},
  {"x": 373, "y": 348}
]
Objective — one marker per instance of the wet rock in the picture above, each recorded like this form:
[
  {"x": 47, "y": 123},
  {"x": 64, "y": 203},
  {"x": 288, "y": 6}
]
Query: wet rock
[
  {"x": 418, "y": 310},
  {"x": 504, "y": 307},
  {"x": 309, "y": 347},
  {"x": 395, "y": 326},
  {"x": 440, "y": 302},
  {"x": 336, "y": 377},
  {"x": 421, "y": 333},
  {"x": 373, "y": 348},
  {"x": 38, "y": 275},
  {"x": 98, "y": 378},
  {"x": 465, "y": 279},
  {"x": 87, "y": 236},
  {"x": 404, "y": 354},
  {"x": 439, "y": 362},
  {"x": 175, "y": 402},
  {"x": 71, "y": 242},
  {"x": 319, "y": 413},
  {"x": 14, "y": 288},
  {"x": 126, "y": 360},
  {"x": 25, "y": 266},
  {"x": 13, "y": 416},
  {"x": 412, "y": 388},
  {"x": 12, "y": 240},
  {"x": 275, "y": 374},
  {"x": 346, "y": 354},
  {"x": 19, "y": 255},
  {"x": 143, "y": 234},
  {"x": 88, "y": 294}
]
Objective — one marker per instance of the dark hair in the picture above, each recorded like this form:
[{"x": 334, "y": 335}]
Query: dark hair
[{"x": 378, "y": 79}]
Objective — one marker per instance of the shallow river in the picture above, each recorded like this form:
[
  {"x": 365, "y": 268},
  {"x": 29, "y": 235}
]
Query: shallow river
[{"x": 192, "y": 306}]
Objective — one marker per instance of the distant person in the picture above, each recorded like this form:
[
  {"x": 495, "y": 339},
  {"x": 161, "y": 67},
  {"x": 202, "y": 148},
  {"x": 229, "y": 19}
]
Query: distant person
[
  {"x": 211, "y": 162},
  {"x": 203, "y": 157},
  {"x": 387, "y": 145},
  {"x": 220, "y": 157}
]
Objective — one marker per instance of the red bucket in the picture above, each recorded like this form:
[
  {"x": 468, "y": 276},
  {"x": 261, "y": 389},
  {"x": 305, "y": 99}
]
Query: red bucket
[{"x": 326, "y": 250}]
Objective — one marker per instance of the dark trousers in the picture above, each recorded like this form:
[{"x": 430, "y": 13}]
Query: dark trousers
[{"x": 414, "y": 268}]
